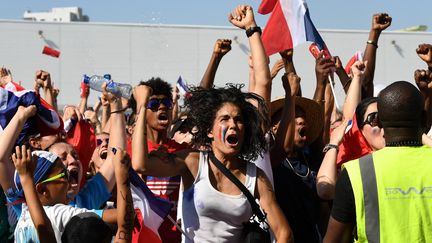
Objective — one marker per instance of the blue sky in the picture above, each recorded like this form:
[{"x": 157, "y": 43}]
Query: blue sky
[{"x": 327, "y": 14}]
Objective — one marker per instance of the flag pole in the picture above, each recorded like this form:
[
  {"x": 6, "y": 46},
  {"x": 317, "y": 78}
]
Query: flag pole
[
  {"x": 178, "y": 227},
  {"x": 330, "y": 79}
]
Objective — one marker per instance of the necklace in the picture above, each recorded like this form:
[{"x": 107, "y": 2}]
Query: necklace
[
  {"x": 404, "y": 144},
  {"x": 295, "y": 172}
]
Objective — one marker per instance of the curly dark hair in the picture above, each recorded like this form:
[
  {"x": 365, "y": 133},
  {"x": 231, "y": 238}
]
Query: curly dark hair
[
  {"x": 159, "y": 87},
  {"x": 203, "y": 105}
]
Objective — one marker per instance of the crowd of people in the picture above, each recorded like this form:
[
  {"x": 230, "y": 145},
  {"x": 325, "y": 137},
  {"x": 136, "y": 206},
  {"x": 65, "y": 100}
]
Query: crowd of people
[{"x": 319, "y": 174}]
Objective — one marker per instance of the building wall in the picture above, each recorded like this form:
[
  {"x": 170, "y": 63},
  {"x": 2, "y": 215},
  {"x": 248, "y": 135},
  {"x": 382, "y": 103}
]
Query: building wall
[{"x": 131, "y": 53}]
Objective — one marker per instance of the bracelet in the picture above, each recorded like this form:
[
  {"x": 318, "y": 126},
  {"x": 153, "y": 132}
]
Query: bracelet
[
  {"x": 252, "y": 30},
  {"x": 118, "y": 111},
  {"x": 372, "y": 43},
  {"x": 329, "y": 146}
]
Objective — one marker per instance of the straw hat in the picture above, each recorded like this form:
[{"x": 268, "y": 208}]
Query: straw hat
[{"x": 314, "y": 114}]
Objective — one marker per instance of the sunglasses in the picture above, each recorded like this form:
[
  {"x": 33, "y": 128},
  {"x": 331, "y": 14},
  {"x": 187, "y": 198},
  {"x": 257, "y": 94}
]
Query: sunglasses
[
  {"x": 372, "y": 119},
  {"x": 153, "y": 104},
  {"x": 64, "y": 174},
  {"x": 100, "y": 141}
]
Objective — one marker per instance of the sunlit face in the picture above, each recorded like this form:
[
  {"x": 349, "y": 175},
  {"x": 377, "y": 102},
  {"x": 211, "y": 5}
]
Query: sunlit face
[
  {"x": 373, "y": 134},
  {"x": 159, "y": 116},
  {"x": 70, "y": 159},
  {"x": 227, "y": 133},
  {"x": 57, "y": 189},
  {"x": 101, "y": 151}
]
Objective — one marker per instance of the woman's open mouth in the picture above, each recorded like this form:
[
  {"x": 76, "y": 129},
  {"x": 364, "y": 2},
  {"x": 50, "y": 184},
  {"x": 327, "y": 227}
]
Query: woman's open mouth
[
  {"x": 232, "y": 140},
  {"x": 73, "y": 177},
  {"x": 103, "y": 154}
]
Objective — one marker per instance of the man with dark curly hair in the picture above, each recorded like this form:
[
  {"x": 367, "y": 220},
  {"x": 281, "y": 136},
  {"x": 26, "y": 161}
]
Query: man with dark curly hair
[{"x": 158, "y": 118}]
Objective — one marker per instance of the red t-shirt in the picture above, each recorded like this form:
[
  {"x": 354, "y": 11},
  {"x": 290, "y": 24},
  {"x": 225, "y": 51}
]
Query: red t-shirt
[{"x": 166, "y": 188}]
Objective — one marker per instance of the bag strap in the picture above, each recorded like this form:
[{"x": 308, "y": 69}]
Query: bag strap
[{"x": 255, "y": 208}]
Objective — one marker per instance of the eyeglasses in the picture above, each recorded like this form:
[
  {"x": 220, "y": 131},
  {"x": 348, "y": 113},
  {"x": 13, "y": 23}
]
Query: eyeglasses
[
  {"x": 371, "y": 119},
  {"x": 100, "y": 141},
  {"x": 64, "y": 174},
  {"x": 153, "y": 104}
]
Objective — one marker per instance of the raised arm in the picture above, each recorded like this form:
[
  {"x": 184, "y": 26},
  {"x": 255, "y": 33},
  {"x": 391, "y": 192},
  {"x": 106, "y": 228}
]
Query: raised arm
[
  {"x": 158, "y": 163},
  {"x": 353, "y": 96},
  {"x": 43, "y": 79},
  {"x": 85, "y": 92},
  {"x": 243, "y": 18},
  {"x": 7, "y": 141},
  {"x": 287, "y": 57},
  {"x": 221, "y": 47},
  {"x": 424, "y": 51},
  {"x": 117, "y": 138},
  {"x": 22, "y": 160},
  {"x": 125, "y": 208},
  {"x": 328, "y": 172},
  {"x": 105, "y": 112},
  {"x": 343, "y": 76},
  {"x": 279, "y": 64},
  {"x": 323, "y": 67},
  {"x": 284, "y": 138},
  {"x": 423, "y": 80},
  {"x": 380, "y": 22}
]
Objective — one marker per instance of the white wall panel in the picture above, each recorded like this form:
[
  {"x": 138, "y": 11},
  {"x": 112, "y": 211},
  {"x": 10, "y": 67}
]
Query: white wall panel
[{"x": 137, "y": 52}]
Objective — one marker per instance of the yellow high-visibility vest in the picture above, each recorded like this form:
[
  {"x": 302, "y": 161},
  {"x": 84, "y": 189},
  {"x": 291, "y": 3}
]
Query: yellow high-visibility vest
[{"x": 393, "y": 195}]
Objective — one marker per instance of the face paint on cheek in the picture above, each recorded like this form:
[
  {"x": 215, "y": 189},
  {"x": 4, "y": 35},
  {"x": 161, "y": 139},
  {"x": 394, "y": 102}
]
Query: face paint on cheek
[
  {"x": 376, "y": 131},
  {"x": 223, "y": 131}
]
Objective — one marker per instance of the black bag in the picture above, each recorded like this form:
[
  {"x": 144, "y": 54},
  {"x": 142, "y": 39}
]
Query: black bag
[{"x": 256, "y": 230}]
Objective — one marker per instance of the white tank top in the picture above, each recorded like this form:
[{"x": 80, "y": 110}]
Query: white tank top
[{"x": 212, "y": 216}]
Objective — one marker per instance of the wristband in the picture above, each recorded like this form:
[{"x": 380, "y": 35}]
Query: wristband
[
  {"x": 252, "y": 30},
  {"x": 119, "y": 111},
  {"x": 372, "y": 43},
  {"x": 329, "y": 146}
]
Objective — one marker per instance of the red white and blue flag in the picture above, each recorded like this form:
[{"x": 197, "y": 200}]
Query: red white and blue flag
[
  {"x": 182, "y": 87},
  {"x": 288, "y": 26},
  {"x": 151, "y": 211},
  {"x": 47, "y": 121}
]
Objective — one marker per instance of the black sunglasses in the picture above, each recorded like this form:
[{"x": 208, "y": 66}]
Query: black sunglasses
[
  {"x": 153, "y": 104},
  {"x": 100, "y": 141},
  {"x": 372, "y": 119}
]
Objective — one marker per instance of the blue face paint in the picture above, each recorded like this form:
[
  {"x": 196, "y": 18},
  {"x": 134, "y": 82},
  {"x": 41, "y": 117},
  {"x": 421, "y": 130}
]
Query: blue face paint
[{"x": 223, "y": 131}]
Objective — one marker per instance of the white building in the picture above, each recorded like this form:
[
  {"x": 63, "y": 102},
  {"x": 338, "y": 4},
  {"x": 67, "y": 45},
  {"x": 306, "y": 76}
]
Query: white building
[
  {"x": 70, "y": 14},
  {"x": 134, "y": 52}
]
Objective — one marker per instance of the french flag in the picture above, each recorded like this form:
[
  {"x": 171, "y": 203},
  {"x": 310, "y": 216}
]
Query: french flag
[
  {"x": 288, "y": 26},
  {"x": 182, "y": 86},
  {"x": 151, "y": 211},
  {"x": 47, "y": 121}
]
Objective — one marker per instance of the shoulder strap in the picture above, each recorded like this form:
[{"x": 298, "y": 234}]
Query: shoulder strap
[{"x": 255, "y": 208}]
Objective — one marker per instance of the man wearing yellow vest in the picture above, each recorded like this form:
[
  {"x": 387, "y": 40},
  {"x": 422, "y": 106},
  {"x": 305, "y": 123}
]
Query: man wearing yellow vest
[{"x": 387, "y": 196}]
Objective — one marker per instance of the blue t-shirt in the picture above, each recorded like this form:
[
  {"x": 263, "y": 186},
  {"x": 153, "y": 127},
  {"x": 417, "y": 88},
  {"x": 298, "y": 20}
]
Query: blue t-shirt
[{"x": 92, "y": 196}]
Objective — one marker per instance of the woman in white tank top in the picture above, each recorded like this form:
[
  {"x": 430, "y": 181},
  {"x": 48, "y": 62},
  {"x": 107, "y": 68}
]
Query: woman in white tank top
[{"x": 230, "y": 126}]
